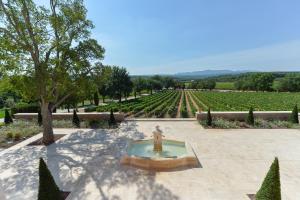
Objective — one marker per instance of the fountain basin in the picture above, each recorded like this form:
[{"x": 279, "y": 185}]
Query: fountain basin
[{"x": 174, "y": 154}]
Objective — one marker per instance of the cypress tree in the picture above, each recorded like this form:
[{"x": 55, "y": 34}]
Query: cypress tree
[
  {"x": 270, "y": 188},
  {"x": 76, "y": 121},
  {"x": 47, "y": 186},
  {"x": 112, "y": 120},
  {"x": 208, "y": 118},
  {"x": 96, "y": 98},
  {"x": 40, "y": 118},
  {"x": 250, "y": 117},
  {"x": 294, "y": 116},
  {"x": 7, "y": 117}
]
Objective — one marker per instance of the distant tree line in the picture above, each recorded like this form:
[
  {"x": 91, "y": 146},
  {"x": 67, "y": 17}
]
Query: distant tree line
[{"x": 202, "y": 84}]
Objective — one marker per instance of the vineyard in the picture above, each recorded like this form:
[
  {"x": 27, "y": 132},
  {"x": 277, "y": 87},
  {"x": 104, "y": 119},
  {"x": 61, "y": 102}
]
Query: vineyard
[{"x": 184, "y": 103}]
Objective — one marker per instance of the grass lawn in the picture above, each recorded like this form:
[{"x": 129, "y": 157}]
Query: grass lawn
[
  {"x": 2, "y": 113},
  {"x": 225, "y": 85}
]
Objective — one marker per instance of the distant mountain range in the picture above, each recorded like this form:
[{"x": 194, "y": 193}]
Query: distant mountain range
[{"x": 208, "y": 73}]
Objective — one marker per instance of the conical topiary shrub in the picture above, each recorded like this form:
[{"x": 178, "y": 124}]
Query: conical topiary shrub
[
  {"x": 250, "y": 117},
  {"x": 7, "y": 117},
  {"x": 208, "y": 118},
  {"x": 294, "y": 116},
  {"x": 112, "y": 120},
  {"x": 270, "y": 188},
  {"x": 76, "y": 121},
  {"x": 48, "y": 189},
  {"x": 40, "y": 119}
]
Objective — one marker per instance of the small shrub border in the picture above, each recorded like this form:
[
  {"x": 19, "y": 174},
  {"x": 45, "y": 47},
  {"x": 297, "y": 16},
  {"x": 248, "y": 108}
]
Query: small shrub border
[{"x": 220, "y": 123}]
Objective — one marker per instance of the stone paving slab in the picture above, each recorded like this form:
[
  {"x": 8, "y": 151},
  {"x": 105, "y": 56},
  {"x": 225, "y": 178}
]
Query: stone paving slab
[{"x": 86, "y": 162}]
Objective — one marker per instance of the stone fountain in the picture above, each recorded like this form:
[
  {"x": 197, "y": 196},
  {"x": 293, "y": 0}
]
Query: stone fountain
[{"x": 159, "y": 154}]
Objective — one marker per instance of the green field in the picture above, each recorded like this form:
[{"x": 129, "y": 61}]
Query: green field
[
  {"x": 225, "y": 85},
  {"x": 180, "y": 103},
  {"x": 239, "y": 101}
]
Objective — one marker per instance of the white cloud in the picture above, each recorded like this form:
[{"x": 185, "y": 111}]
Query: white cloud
[{"x": 277, "y": 57}]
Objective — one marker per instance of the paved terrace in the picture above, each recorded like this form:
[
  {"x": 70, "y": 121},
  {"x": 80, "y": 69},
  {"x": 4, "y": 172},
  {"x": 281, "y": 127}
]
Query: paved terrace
[{"x": 86, "y": 162}]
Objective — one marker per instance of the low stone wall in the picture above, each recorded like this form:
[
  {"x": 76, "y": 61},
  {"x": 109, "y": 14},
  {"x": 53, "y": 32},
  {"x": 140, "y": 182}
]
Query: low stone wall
[
  {"x": 242, "y": 115},
  {"x": 68, "y": 116}
]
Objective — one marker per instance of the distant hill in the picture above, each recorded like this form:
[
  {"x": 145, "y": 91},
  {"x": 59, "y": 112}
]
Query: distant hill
[{"x": 208, "y": 73}]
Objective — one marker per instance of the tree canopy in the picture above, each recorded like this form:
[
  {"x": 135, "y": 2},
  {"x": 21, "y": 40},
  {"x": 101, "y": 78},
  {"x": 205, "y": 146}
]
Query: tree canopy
[{"x": 50, "y": 49}]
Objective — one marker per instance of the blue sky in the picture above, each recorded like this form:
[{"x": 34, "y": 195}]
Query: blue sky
[{"x": 168, "y": 36}]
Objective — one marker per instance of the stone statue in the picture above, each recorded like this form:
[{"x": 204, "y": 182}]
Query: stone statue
[{"x": 157, "y": 139}]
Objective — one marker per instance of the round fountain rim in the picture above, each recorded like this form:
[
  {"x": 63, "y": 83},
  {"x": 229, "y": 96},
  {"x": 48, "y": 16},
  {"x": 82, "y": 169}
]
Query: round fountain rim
[{"x": 162, "y": 163}]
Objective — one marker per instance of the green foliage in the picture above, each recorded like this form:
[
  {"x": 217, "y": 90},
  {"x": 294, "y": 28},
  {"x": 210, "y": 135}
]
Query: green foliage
[
  {"x": 183, "y": 108},
  {"x": 290, "y": 83},
  {"x": 25, "y": 108},
  {"x": 208, "y": 118},
  {"x": 9, "y": 135},
  {"x": 225, "y": 85},
  {"x": 40, "y": 118},
  {"x": 56, "y": 65},
  {"x": 24, "y": 128},
  {"x": 95, "y": 124},
  {"x": 242, "y": 101},
  {"x": 256, "y": 82},
  {"x": 294, "y": 116},
  {"x": 203, "y": 84},
  {"x": 250, "y": 117},
  {"x": 112, "y": 120},
  {"x": 48, "y": 190},
  {"x": 120, "y": 83},
  {"x": 96, "y": 98},
  {"x": 270, "y": 188},
  {"x": 75, "y": 120},
  {"x": 7, "y": 117}
]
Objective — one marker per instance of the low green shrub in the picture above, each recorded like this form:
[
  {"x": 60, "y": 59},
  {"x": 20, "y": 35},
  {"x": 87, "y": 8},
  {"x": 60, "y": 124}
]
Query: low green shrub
[
  {"x": 90, "y": 108},
  {"x": 221, "y": 123},
  {"x": 9, "y": 135},
  {"x": 17, "y": 136},
  {"x": 24, "y": 128},
  {"x": 95, "y": 124},
  {"x": 62, "y": 124},
  {"x": 261, "y": 123}
]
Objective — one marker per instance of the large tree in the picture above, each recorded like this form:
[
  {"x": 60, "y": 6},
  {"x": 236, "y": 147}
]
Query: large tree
[
  {"x": 120, "y": 83},
  {"x": 50, "y": 48}
]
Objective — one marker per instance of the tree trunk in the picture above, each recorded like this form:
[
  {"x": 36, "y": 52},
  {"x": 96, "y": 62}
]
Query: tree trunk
[
  {"x": 103, "y": 98},
  {"x": 48, "y": 136}
]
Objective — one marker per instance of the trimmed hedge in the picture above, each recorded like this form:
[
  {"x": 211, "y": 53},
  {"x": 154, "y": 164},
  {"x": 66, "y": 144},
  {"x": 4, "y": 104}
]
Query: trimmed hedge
[
  {"x": 7, "y": 117},
  {"x": 209, "y": 118},
  {"x": 250, "y": 117},
  {"x": 75, "y": 120},
  {"x": 48, "y": 189},
  {"x": 25, "y": 108},
  {"x": 112, "y": 120},
  {"x": 294, "y": 116},
  {"x": 270, "y": 188}
]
